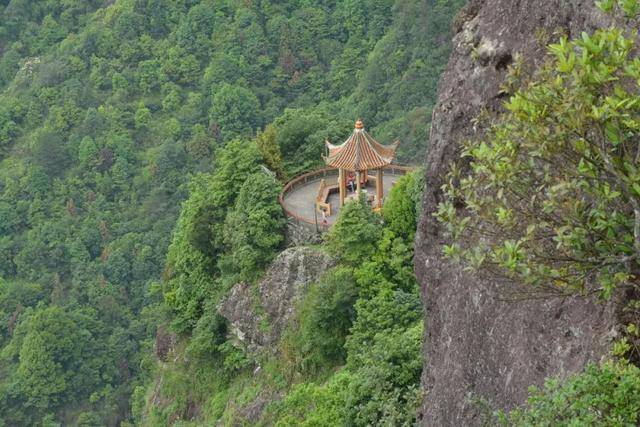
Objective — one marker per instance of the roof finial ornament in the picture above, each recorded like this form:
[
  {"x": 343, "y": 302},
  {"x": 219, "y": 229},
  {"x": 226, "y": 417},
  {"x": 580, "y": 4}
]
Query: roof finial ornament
[{"x": 359, "y": 124}]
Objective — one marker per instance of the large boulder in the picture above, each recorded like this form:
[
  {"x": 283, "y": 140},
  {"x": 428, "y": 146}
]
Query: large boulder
[
  {"x": 478, "y": 345},
  {"x": 259, "y": 313}
]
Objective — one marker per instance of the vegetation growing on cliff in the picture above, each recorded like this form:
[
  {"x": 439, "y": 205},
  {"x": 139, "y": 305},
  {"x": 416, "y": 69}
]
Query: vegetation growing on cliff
[
  {"x": 350, "y": 356},
  {"x": 606, "y": 395},
  {"x": 552, "y": 194},
  {"x": 364, "y": 317},
  {"x": 550, "y": 197}
]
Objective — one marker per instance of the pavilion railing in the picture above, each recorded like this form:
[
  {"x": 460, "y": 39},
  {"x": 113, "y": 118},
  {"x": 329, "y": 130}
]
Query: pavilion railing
[{"x": 317, "y": 175}]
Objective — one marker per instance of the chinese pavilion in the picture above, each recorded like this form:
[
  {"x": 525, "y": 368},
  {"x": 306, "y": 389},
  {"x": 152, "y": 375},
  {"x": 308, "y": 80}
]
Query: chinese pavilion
[{"x": 360, "y": 153}]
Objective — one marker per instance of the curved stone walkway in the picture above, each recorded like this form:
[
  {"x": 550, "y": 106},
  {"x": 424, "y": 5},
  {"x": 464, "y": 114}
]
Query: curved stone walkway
[{"x": 301, "y": 200}]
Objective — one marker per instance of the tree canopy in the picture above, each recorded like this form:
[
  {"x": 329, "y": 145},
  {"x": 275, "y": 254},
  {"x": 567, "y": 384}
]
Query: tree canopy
[{"x": 134, "y": 135}]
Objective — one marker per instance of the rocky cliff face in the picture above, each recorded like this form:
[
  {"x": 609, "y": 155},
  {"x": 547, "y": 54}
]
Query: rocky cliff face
[
  {"x": 477, "y": 345},
  {"x": 259, "y": 314}
]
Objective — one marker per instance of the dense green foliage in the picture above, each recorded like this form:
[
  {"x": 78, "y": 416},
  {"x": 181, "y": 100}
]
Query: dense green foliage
[
  {"x": 316, "y": 343},
  {"x": 253, "y": 229},
  {"x": 552, "y": 195},
  {"x": 309, "y": 404},
  {"x": 606, "y": 395},
  {"x": 350, "y": 356},
  {"x": 199, "y": 236},
  {"x": 366, "y": 316},
  {"x": 112, "y": 113},
  {"x": 142, "y": 147},
  {"x": 355, "y": 234}
]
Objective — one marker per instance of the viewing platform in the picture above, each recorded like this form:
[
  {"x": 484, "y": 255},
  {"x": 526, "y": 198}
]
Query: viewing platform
[
  {"x": 298, "y": 198},
  {"x": 359, "y": 167}
]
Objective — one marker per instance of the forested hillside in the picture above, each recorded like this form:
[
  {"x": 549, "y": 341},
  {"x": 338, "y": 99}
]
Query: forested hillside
[{"x": 112, "y": 114}]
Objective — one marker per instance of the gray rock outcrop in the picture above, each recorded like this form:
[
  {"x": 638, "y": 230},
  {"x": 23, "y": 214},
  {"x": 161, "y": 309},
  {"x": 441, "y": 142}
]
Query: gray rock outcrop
[
  {"x": 259, "y": 313},
  {"x": 477, "y": 345}
]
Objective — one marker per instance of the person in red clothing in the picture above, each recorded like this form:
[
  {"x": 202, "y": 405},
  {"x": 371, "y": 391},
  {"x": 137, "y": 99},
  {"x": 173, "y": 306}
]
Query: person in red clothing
[{"x": 351, "y": 181}]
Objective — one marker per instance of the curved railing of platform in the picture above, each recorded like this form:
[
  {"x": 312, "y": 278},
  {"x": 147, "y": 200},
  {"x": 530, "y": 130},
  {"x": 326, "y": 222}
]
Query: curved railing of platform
[{"x": 317, "y": 175}]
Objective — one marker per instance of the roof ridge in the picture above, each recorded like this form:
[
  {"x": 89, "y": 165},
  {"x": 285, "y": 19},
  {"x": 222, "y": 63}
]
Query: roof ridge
[{"x": 360, "y": 151}]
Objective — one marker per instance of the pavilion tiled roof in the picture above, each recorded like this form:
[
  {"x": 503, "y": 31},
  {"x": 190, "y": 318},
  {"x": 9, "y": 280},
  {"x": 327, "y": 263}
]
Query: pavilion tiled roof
[{"x": 360, "y": 152}]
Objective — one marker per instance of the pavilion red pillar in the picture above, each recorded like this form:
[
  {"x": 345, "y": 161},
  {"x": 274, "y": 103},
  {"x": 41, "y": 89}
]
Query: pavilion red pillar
[
  {"x": 379, "y": 187},
  {"x": 342, "y": 185}
]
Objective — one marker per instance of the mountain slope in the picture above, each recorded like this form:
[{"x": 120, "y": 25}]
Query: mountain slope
[{"x": 108, "y": 109}]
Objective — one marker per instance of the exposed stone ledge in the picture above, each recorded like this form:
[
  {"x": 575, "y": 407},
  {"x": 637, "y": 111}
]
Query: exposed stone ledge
[{"x": 259, "y": 313}]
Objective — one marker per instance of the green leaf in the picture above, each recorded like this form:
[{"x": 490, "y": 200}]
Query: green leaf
[
  {"x": 613, "y": 133},
  {"x": 606, "y": 5}
]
